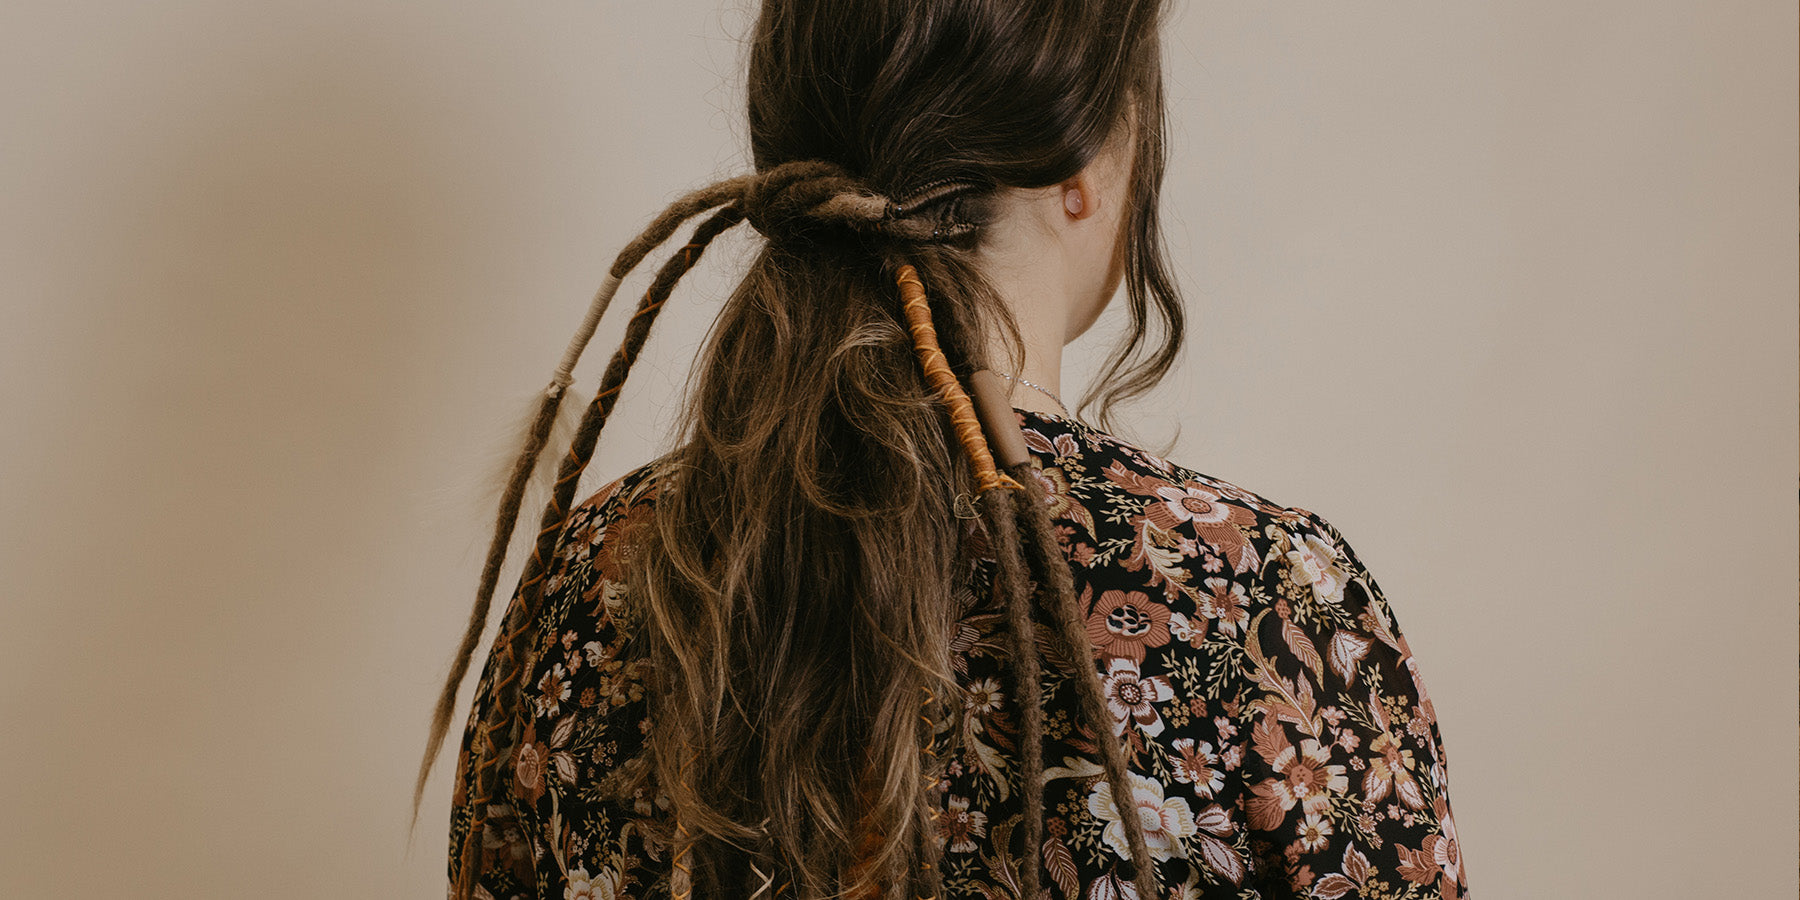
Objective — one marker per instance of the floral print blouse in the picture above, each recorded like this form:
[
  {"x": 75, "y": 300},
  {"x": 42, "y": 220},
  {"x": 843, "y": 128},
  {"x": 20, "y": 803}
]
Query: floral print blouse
[{"x": 1280, "y": 739}]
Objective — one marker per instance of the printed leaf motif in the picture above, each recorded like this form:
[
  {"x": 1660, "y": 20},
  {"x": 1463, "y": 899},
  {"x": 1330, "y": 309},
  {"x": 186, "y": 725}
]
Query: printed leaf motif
[
  {"x": 1214, "y": 820},
  {"x": 1245, "y": 559},
  {"x": 1221, "y": 858},
  {"x": 1356, "y": 865},
  {"x": 1061, "y": 866},
  {"x": 1416, "y": 866},
  {"x": 1000, "y": 864},
  {"x": 1281, "y": 698},
  {"x": 1375, "y": 787},
  {"x": 1142, "y": 485},
  {"x": 564, "y": 763},
  {"x": 565, "y": 727},
  {"x": 1409, "y": 793},
  {"x": 1297, "y": 641},
  {"x": 1308, "y": 707},
  {"x": 1269, "y": 738},
  {"x": 1266, "y": 812},
  {"x": 1073, "y": 767},
  {"x": 1333, "y": 886},
  {"x": 1036, "y": 441},
  {"x": 1346, "y": 649},
  {"x": 992, "y": 763}
]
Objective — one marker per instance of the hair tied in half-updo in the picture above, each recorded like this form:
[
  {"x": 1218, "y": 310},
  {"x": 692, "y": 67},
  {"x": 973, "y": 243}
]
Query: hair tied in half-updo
[{"x": 799, "y": 197}]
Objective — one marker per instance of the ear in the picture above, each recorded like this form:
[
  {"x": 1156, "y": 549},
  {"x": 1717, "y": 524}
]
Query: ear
[{"x": 1080, "y": 199}]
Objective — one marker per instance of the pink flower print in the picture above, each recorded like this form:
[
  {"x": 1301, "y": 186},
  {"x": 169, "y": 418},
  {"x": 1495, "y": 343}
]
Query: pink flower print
[
  {"x": 961, "y": 825},
  {"x": 1196, "y": 764},
  {"x": 1227, "y": 603},
  {"x": 528, "y": 766},
  {"x": 1123, "y": 623},
  {"x": 1305, "y": 777}
]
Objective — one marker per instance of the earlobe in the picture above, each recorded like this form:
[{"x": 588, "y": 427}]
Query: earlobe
[
  {"x": 1079, "y": 198},
  {"x": 1074, "y": 202}
]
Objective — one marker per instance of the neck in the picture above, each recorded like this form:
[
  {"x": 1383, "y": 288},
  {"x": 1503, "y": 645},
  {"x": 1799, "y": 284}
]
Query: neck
[{"x": 1028, "y": 271}]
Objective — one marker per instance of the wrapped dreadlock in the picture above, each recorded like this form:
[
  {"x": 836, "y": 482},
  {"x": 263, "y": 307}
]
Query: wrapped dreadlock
[{"x": 786, "y": 202}]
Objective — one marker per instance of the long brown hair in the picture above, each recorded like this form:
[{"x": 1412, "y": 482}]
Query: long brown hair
[{"x": 795, "y": 575}]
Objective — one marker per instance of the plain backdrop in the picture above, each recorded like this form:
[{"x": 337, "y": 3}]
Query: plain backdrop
[{"x": 1505, "y": 290}]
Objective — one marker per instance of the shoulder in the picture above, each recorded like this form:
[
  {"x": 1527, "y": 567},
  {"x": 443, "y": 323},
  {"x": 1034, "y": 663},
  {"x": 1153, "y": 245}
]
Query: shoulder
[
  {"x": 625, "y": 500},
  {"x": 587, "y": 570},
  {"x": 1233, "y": 530},
  {"x": 1207, "y": 555}
]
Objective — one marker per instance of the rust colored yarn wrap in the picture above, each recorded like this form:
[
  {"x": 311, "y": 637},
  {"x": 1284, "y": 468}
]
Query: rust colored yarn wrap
[{"x": 937, "y": 372}]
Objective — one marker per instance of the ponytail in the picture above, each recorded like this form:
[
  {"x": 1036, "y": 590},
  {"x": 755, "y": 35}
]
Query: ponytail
[{"x": 789, "y": 203}]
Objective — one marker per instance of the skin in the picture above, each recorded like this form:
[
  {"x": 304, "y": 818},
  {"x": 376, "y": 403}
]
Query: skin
[{"x": 1054, "y": 256}]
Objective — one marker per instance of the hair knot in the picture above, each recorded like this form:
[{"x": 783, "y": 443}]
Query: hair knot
[{"x": 806, "y": 196}]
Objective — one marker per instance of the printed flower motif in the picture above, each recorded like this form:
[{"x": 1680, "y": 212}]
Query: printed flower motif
[
  {"x": 1314, "y": 833},
  {"x": 1187, "y": 503},
  {"x": 982, "y": 697},
  {"x": 528, "y": 766},
  {"x": 1058, "y": 501},
  {"x": 1166, "y": 821},
  {"x": 961, "y": 826},
  {"x": 1444, "y": 848},
  {"x": 604, "y": 886},
  {"x": 552, "y": 690},
  {"x": 1392, "y": 769},
  {"x": 1315, "y": 562},
  {"x": 1227, "y": 603},
  {"x": 1129, "y": 696},
  {"x": 1305, "y": 777},
  {"x": 1191, "y": 631},
  {"x": 1195, "y": 764},
  {"x": 1123, "y": 623}
]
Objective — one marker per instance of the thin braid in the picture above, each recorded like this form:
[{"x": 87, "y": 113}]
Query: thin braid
[
  {"x": 536, "y": 435},
  {"x": 928, "y": 882},
  {"x": 681, "y": 870},
  {"x": 1052, "y": 567},
  {"x": 511, "y": 644}
]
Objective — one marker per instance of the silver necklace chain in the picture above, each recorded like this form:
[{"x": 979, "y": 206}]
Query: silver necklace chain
[{"x": 1039, "y": 388}]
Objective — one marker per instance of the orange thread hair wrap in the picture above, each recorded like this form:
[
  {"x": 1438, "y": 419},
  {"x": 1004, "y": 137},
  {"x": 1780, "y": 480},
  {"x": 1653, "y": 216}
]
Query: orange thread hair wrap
[{"x": 941, "y": 379}]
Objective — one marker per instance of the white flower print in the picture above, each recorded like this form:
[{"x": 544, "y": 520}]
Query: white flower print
[
  {"x": 1316, "y": 562},
  {"x": 1191, "y": 503},
  {"x": 553, "y": 689},
  {"x": 1166, "y": 821},
  {"x": 982, "y": 697},
  {"x": 604, "y": 886},
  {"x": 1129, "y": 695}
]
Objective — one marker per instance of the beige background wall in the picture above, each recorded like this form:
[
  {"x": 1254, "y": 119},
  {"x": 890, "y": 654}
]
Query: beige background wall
[{"x": 1507, "y": 291}]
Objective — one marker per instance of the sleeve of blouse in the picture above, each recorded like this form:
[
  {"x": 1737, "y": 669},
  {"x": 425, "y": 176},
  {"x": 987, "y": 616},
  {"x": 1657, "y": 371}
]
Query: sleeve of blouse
[
  {"x": 558, "y": 827},
  {"x": 1347, "y": 786}
]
